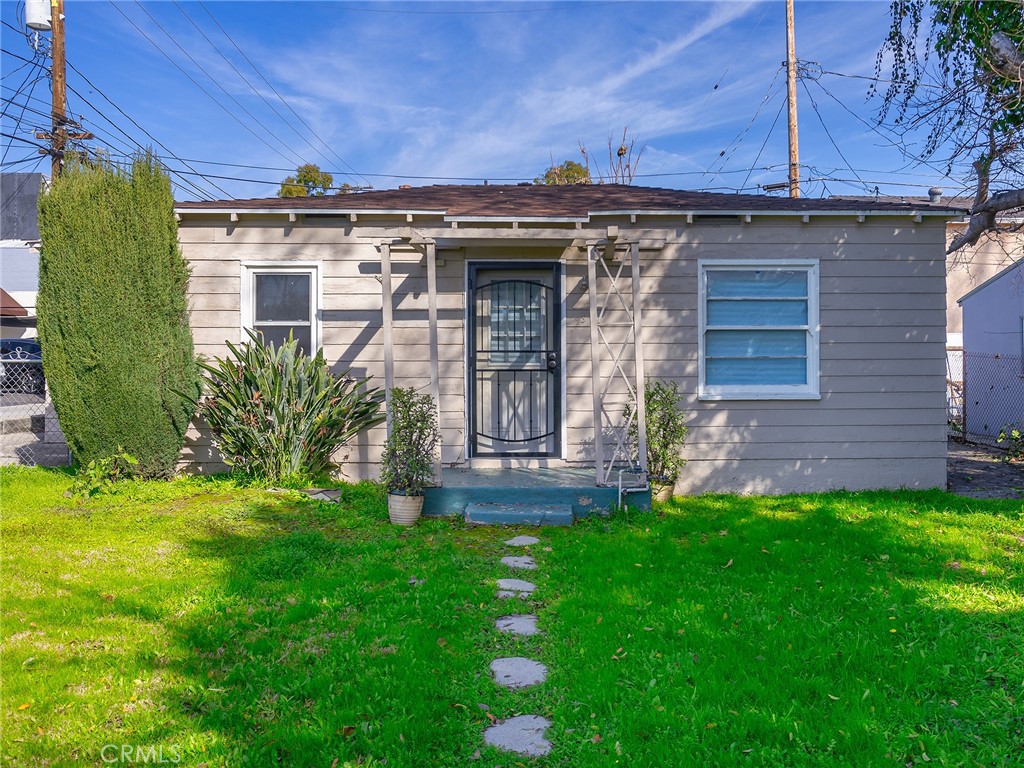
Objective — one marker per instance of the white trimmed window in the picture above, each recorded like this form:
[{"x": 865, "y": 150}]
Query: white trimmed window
[
  {"x": 278, "y": 300},
  {"x": 758, "y": 330}
]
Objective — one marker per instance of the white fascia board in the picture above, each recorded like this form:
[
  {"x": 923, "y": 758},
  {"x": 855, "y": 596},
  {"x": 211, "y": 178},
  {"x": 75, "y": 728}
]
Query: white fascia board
[
  {"x": 310, "y": 211},
  {"x": 518, "y": 219},
  {"x": 847, "y": 212}
]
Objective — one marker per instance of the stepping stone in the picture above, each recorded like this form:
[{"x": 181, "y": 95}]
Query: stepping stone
[
  {"x": 515, "y": 588},
  {"x": 324, "y": 494},
  {"x": 518, "y": 624},
  {"x": 523, "y": 541},
  {"x": 518, "y": 672},
  {"x": 523, "y": 563},
  {"x": 523, "y": 734}
]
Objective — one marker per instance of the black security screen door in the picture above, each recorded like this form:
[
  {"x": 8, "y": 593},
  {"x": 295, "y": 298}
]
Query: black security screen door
[{"x": 515, "y": 370}]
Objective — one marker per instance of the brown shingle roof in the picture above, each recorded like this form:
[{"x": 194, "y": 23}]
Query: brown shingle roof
[{"x": 528, "y": 201}]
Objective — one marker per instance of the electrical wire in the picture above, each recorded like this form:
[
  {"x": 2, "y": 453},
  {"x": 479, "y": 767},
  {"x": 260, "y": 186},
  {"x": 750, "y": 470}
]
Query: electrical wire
[
  {"x": 21, "y": 116},
  {"x": 246, "y": 80},
  {"x": 735, "y": 143},
  {"x": 875, "y": 129},
  {"x": 137, "y": 146},
  {"x": 765, "y": 143},
  {"x": 828, "y": 133},
  {"x": 132, "y": 120},
  {"x": 281, "y": 98},
  {"x": 491, "y": 11},
  {"x": 295, "y": 157},
  {"x": 36, "y": 158}
]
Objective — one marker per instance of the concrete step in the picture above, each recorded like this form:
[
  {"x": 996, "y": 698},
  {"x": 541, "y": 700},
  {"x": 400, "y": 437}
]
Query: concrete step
[{"x": 490, "y": 513}]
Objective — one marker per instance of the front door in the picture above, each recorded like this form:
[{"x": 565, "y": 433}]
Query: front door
[{"x": 514, "y": 366}]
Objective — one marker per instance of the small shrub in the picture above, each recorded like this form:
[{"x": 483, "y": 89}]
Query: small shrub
[
  {"x": 100, "y": 474},
  {"x": 280, "y": 415},
  {"x": 408, "y": 460},
  {"x": 1014, "y": 437},
  {"x": 666, "y": 430}
]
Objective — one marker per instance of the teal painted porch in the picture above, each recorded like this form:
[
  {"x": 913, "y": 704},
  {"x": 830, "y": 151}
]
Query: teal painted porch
[{"x": 542, "y": 487}]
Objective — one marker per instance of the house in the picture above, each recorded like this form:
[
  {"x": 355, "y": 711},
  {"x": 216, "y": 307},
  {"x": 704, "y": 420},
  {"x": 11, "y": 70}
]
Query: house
[
  {"x": 808, "y": 335},
  {"x": 29, "y": 431},
  {"x": 993, "y": 344},
  {"x": 19, "y": 254},
  {"x": 968, "y": 267}
]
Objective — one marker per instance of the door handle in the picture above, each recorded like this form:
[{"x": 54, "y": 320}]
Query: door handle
[{"x": 552, "y": 361}]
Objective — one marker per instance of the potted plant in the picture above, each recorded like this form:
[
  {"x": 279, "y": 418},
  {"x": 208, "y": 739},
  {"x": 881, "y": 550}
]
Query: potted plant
[
  {"x": 408, "y": 461},
  {"x": 666, "y": 434}
]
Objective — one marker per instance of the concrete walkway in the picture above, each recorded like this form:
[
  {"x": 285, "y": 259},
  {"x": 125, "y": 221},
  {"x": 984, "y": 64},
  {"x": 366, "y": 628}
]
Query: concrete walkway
[
  {"x": 979, "y": 472},
  {"x": 522, "y": 734}
]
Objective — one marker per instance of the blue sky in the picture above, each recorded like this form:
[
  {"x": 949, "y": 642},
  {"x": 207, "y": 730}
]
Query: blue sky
[{"x": 417, "y": 93}]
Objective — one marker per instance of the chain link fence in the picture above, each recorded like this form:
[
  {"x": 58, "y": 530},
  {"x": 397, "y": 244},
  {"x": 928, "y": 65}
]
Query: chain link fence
[
  {"x": 984, "y": 395},
  {"x": 29, "y": 433}
]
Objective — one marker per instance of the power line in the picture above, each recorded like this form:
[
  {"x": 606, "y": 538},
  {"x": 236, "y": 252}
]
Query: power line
[
  {"x": 138, "y": 146},
  {"x": 280, "y": 97},
  {"x": 192, "y": 79},
  {"x": 824, "y": 127},
  {"x": 765, "y": 143},
  {"x": 482, "y": 12},
  {"x": 21, "y": 116},
  {"x": 136, "y": 124},
  {"x": 735, "y": 143},
  {"x": 35, "y": 157},
  {"x": 244, "y": 79},
  {"x": 879, "y": 79},
  {"x": 25, "y": 141},
  {"x": 214, "y": 81},
  {"x": 874, "y": 129},
  {"x": 187, "y": 182}
]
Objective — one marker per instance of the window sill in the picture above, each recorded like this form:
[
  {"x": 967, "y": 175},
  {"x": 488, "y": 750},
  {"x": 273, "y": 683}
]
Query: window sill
[{"x": 760, "y": 395}]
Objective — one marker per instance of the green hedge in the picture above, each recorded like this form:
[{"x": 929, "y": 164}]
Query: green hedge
[{"x": 113, "y": 314}]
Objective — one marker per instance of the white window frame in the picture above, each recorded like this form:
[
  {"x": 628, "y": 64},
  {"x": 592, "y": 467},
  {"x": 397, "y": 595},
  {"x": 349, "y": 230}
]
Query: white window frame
[
  {"x": 808, "y": 391},
  {"x": 248, "y": 305}
]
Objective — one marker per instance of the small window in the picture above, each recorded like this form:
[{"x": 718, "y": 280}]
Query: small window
[
  {"x": 758, "y": 330},
  {"x": 282, "y": 301}
]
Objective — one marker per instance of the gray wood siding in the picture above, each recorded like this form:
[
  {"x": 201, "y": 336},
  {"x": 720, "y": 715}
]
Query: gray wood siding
[{"x": 880, "y": 420}]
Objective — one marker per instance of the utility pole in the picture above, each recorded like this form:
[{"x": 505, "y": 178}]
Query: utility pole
[
  {"x": 791, "y": 67},
  {"x": 58, "y": 133}
]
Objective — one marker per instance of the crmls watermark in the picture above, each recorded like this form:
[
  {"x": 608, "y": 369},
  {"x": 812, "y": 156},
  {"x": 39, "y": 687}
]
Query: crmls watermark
[{"x": 153, "y": 754}]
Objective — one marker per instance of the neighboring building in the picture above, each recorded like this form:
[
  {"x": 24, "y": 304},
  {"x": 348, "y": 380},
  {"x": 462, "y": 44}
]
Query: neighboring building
[
  {"x": 29, "y": 432},
  {"x": 993, "y": 343},
  {"x": 972, "y": 266},
  {"x": 19, "y": 253},
  {"x": 808, "y": 336}
]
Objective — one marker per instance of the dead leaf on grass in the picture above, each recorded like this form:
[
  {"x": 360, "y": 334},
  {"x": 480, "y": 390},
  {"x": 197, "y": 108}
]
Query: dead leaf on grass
[{"x": 727, "y": 565}]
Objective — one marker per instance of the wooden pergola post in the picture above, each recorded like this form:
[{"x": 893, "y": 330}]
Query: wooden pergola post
[
  {"x": 387, "y": 314},
  {"x": 435, "y": 376},
  {"x": 595, "y": 364},
  {"x": 638, "y": 351}
]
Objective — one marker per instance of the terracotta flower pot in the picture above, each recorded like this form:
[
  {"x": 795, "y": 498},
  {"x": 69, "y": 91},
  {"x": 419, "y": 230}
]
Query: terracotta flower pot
[
  {"x": 662, "y": 491},
  {"x": 404, "y": 510}
]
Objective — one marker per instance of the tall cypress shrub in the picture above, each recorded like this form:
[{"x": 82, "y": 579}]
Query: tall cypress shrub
[{"x": 113, "y": 313}]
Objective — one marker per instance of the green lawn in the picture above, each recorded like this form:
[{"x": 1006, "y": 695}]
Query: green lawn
[{"x": 219, "y": 626}]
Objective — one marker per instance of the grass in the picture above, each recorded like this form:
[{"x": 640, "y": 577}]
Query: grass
[{"x": 214, "y": 625}]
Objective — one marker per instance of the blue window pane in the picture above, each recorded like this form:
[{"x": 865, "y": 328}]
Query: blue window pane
[
  {"x": 754, "y": 283},
  {"x": 757, "y": 312},
  {"x": 755, "y": 371},
  {"x": 756, "y": 344}
]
